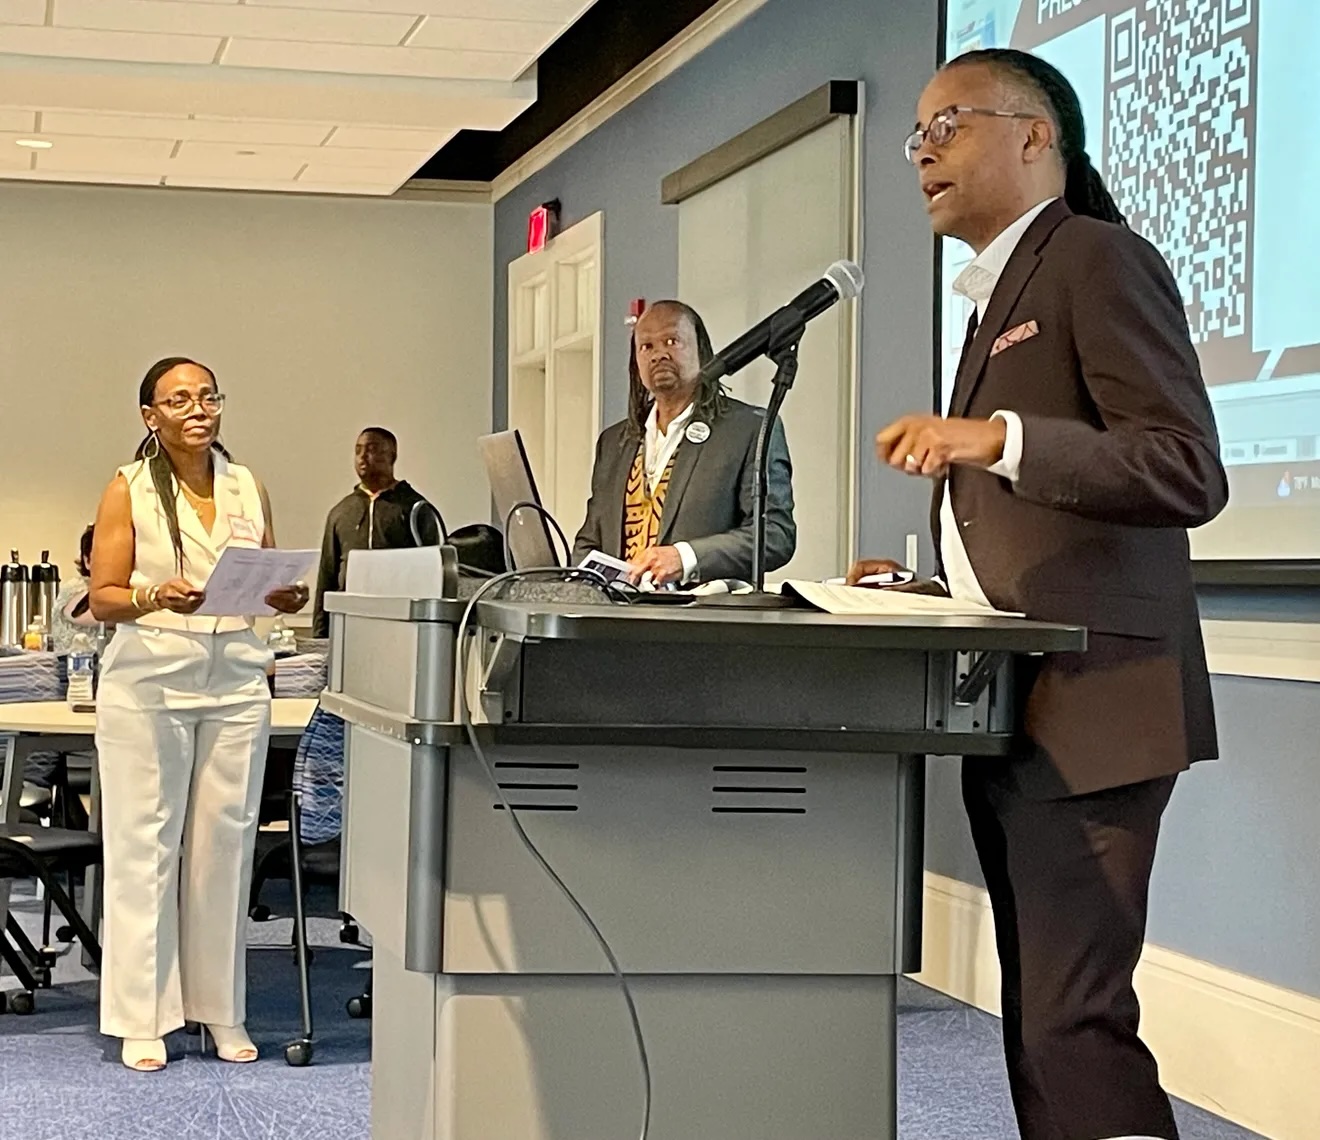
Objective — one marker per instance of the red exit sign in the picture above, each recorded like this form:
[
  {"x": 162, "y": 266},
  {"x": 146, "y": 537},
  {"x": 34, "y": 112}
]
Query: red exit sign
[{"x": 542, "y": 225}]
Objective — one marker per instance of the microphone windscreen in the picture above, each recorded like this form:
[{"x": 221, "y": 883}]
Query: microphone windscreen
[{"x": 847, "y": 278}]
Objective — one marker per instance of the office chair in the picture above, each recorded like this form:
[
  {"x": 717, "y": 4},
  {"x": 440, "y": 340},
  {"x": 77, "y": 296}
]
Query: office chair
[
  {"x": 28, "y": 849},
  {"x": 282, "y": 855}
]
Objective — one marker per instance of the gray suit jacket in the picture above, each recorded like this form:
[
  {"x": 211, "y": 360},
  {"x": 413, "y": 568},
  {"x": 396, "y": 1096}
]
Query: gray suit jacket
[{"x": 710, "y": 498}]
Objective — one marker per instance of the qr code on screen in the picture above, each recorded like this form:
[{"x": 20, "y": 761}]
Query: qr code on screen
[{"x": 1178, "y": 144}]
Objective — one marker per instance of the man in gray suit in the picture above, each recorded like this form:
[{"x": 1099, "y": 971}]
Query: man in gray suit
[{"x": 672, "y": 487}]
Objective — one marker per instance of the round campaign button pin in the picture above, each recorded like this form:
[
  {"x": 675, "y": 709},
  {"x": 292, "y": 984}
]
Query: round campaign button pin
[{"x": 697, "y": 432}]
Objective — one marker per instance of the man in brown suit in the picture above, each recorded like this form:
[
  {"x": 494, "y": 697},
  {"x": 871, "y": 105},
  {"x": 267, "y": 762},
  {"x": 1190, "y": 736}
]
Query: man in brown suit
[{"x": 1078, "y": 449}]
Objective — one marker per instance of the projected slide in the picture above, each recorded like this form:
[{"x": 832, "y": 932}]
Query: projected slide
[{"x": 1201, "y": 115}]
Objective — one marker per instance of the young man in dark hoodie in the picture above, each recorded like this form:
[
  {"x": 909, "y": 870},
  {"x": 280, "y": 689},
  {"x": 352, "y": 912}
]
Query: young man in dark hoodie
[{"x": 374, "y": 517}]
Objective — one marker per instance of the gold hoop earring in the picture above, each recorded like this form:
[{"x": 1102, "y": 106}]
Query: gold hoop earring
[{"x": 153, "y": 443}]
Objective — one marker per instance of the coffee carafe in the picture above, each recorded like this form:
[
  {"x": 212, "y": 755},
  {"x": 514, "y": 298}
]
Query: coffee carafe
[
  {"x": 43, "y": 591},
  {"x": 15, "y": 612}
]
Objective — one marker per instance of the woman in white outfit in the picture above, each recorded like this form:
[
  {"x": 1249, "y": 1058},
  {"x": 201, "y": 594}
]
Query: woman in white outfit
[{"x": 182, "y": 722}]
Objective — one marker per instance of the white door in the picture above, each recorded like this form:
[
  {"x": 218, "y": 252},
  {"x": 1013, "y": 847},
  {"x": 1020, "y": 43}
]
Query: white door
[{"x": 555, "y": 363}]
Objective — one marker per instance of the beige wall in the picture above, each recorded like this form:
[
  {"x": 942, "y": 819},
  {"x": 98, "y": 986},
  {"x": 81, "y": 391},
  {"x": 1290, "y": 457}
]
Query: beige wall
[{"x": 319, "y": 316}]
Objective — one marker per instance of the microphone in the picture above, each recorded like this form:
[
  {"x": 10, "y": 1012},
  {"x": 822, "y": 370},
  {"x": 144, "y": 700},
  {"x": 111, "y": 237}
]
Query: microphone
[{"x": 842, "y": 281}]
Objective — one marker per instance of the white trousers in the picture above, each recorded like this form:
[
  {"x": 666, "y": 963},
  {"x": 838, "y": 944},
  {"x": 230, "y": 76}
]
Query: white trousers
[{"x": 182, "y": 724}]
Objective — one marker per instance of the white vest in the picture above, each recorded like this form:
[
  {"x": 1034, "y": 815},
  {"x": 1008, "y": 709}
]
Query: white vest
[{"x": 239, "y": 521}]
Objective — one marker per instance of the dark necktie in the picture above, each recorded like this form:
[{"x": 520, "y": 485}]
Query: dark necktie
[{"x": 972, "y": 324}]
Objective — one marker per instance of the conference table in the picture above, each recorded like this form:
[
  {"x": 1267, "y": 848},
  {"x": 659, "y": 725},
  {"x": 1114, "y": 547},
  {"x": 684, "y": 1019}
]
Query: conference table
[{"x": 52, "y": 726}]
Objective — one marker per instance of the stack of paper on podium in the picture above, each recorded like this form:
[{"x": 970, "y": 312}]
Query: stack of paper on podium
[{"x": 863, "y": 601}]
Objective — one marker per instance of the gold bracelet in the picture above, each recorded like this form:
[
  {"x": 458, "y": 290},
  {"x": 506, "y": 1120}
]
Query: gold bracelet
[{"x": 133, "y": 599}]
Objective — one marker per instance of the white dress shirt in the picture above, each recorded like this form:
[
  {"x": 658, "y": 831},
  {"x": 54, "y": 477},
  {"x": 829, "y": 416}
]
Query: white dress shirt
[
  {"x": 977, "y": 283},
  {"x": 660, "y": 449}
]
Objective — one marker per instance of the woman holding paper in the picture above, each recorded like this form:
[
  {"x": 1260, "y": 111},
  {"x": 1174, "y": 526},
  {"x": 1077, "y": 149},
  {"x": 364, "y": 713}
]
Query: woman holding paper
[{"x": 182, "y": 721}]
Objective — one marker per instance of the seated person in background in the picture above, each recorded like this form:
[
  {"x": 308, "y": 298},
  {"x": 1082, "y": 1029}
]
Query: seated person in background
[
  {"x": 672, "y": 487},
  {"x": 375, "y": 516},
  {"x": 72, "y": 613}
]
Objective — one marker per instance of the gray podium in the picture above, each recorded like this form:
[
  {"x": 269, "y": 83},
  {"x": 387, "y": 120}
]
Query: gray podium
[{"x": 737, "y": 799}]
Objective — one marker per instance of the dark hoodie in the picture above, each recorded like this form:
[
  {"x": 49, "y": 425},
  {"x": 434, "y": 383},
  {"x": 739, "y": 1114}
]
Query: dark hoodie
[{"x": 358, "y": 522}]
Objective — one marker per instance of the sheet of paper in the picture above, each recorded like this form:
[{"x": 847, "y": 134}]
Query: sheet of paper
[
  {"x": 244, "y": 576},
  {"x": 835, "y": 599}
]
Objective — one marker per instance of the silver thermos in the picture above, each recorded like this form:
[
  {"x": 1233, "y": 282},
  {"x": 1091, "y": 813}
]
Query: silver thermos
[
  {"x": 15, "y": 611},
  {"x": 43, "y": 591}
]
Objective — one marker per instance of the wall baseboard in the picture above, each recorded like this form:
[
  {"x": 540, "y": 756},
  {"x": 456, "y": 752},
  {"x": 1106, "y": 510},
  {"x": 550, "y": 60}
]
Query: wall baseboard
[
  {"x": 1236, "y": 1046},
  {"x": 1277, "y": 650}
]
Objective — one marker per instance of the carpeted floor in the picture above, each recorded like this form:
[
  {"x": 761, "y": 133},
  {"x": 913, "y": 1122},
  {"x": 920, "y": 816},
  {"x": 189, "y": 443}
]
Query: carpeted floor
[{"x": 60, "y": 1080}]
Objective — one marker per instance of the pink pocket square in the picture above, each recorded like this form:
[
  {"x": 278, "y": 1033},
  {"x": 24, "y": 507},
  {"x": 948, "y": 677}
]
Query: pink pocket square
[{"x": 1014, "y": 336}]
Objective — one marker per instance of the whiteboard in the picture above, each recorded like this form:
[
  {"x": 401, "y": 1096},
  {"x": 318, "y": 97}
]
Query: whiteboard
[{"x": 747, "y": 245}]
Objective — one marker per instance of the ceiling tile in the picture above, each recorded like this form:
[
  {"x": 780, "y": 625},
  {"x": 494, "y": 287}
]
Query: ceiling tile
[
  {"x": 222, "y": 160},
  {"x": 182, "y": 127},
  {"x": 389, "y": 138},
  {"x": 362, "y": 134},
  {"x": 218, "y": 154},
  {"x": 260, "y": 131},
  {"x": 85, "y": 176},
  {"x": 22, "y": 11},
  {"x": 95, "y": 125},
  {"x": 328, "y": 174},
  {"x": 562, "y": 11},
  {"x": 15, "y": 119},
  {"x": 131, "y": 47},
  {"x": 283, "y": 185},
  {"x": 210, "y": 19},
  {"x": 108, "y": 156},
  {"x": 526, "y": 37},
  {"x": 14, "y": 157},
  {"x": 350, "y": 59}
]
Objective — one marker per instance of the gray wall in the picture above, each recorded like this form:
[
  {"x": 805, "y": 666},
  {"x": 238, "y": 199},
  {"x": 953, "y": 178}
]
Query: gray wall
[
  {"x": 1236, "y": 881},
  {"x": 779, "y": 54}
]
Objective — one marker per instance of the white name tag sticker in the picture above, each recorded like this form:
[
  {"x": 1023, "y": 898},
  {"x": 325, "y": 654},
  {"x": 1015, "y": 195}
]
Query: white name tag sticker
[{"x": 243, "y": 529}]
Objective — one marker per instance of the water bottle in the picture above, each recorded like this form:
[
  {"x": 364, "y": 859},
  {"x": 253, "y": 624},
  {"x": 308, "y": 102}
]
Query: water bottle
[{"x": 82, "y": 668}]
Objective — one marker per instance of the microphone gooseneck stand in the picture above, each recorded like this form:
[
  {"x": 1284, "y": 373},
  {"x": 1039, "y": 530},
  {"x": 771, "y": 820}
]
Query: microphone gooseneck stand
[{"x": 787, "y": 327}]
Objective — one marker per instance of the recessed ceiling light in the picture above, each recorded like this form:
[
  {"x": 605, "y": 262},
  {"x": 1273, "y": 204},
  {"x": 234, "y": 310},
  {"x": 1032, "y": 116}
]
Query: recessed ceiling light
[{"x": 35, "y": 144}]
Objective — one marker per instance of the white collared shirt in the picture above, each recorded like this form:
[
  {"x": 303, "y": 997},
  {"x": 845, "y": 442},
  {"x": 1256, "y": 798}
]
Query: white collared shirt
[
  {"x": 977, "y": 283},
  {"x": 660, "y": 449}
]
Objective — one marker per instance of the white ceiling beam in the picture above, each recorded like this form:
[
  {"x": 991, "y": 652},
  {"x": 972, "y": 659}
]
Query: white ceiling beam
[
  {"x": 232, "y": 19},
  {"x": 237, "y": 93}
]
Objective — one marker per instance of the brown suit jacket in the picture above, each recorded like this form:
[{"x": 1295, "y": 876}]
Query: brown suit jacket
[{"x": 1120, "y": 456}]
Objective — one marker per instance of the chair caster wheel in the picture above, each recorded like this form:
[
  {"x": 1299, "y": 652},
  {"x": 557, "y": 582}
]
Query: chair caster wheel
[
  {"x": 359, "y": 1007},
  {"x": 298, "y": 1054},
  {"x": 22, "y": 1003},
  {"x": 350, "y": 934},
  {"x": 259, "y": 913}
]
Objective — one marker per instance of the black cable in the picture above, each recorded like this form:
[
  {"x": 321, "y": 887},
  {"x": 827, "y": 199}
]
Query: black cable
[
  {"x": 465, "y": 713},
  {"x": 439, "y": 518},
  {"x": 546, "y": 516}
]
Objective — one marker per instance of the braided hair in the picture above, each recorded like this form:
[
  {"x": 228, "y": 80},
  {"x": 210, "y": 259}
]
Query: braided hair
[
  {"x": 1085, "y": 190},
  {"x": 158, "y": 459},
  {"x": 711, "y": 398}
]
